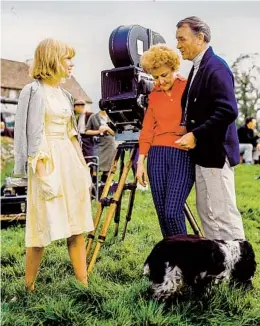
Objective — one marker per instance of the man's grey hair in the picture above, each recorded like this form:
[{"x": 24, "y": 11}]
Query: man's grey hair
[{"x": 197, "y": 26}]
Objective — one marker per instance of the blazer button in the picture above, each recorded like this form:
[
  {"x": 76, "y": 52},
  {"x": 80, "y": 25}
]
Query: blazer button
[{"x": 192, "y": 121}]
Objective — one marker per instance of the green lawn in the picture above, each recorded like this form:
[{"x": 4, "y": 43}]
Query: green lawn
[{"x": 117, "y": 293}]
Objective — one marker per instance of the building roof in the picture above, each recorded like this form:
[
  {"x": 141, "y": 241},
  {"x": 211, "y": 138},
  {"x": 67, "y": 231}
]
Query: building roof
[{"x": 15, "y": 75}]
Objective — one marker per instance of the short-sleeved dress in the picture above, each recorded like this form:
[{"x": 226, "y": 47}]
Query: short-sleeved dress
[
  {"x": 58, "y": 205},
  {"x": 105, "y": 146}
]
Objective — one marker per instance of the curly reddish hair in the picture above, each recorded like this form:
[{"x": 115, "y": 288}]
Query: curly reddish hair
[{"x": 159, "y": 55}]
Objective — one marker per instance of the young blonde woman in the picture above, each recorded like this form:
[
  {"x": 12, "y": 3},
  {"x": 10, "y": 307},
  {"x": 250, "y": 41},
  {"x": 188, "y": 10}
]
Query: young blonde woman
[
  {"x": 47, "y": 149},
  {"x": 170, "y": 168}
]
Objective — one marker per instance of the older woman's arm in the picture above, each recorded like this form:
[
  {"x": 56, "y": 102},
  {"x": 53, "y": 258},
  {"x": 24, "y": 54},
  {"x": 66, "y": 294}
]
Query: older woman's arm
[
  {"x": 147, "y": 132},
  {"x": 145, "y": 141}
]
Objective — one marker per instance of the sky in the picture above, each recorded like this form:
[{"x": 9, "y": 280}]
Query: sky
[{"x": 87, "y": 25}]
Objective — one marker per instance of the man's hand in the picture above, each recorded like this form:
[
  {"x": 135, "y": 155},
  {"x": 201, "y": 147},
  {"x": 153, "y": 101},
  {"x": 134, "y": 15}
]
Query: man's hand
[
  {"x": 187, "y": 141},
  {"x": 182, "y": 131}
]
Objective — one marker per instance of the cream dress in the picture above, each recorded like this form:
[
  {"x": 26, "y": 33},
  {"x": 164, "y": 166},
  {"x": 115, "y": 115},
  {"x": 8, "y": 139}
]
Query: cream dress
[{"x": 58, "y": 205}]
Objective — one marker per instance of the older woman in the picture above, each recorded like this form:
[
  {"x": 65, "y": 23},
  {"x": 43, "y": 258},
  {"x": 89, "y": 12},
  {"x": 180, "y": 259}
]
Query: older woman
[
  {"x": 45, "y": 137},
  {"x": 170, "y": 169},
  {"x": 105, "y": 144}
]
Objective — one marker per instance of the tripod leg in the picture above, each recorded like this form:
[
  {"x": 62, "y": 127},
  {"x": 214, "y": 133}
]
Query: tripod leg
[
  {"x": 132, "y": 197},
  {"x": 193, "y": 223},
  {"x": 105, "y": 191},
  {"x": 130, "y": 208},
  {"x": 118, "y": 209},
  {"x": 111, "y": 212},
  {"x": 117, "y": 217}
]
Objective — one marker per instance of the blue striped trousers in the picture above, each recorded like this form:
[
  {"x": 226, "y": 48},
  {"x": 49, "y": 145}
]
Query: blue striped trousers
[{"x": 171, "y": 174}]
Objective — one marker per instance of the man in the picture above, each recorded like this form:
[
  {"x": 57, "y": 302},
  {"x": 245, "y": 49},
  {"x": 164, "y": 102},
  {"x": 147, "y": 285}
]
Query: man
[
  {"x": 248, "y": 141},
  {"x": 209, "y": 111},
  {"x": 82, "y": 117}
]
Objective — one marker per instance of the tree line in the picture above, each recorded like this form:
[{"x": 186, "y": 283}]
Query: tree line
[{"x": 246, "y": 70}]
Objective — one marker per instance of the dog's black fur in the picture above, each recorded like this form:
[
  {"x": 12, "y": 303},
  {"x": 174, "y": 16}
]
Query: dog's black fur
[{"x": 188, "y": 260}]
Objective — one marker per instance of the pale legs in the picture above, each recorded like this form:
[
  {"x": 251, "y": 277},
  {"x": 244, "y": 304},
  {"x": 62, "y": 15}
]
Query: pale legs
[
  {"x": 77, "y": 253},
  {"x": 32, "y": 263}
]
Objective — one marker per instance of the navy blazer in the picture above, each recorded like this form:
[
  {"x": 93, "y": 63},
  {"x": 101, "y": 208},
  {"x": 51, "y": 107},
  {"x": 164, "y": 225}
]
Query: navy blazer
[{"x": 211, "y": 113}]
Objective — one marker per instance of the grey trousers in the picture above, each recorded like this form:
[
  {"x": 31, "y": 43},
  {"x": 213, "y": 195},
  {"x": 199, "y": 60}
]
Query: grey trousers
[
  {"x": 216, "y": 203},
  {"x": 247, "y": 151}
]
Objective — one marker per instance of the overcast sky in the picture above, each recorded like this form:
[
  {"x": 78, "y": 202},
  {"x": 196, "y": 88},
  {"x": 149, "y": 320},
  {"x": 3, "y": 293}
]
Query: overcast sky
[{"x": 87, "y": 26}]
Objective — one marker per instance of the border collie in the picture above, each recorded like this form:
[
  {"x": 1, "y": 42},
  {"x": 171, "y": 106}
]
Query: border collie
[{"x": 183, "y": 261}]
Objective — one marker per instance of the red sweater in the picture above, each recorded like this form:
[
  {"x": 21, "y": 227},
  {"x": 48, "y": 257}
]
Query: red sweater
[{"x": 162, "y": 118}]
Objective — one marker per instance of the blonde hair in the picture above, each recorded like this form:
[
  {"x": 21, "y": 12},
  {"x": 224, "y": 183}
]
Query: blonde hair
[
  {"x": 48, "y": 60},
  {"x": 159, "y": 55}
]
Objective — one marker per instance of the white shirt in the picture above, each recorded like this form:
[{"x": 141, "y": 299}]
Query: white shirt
[{"x": 196, "y": 62}]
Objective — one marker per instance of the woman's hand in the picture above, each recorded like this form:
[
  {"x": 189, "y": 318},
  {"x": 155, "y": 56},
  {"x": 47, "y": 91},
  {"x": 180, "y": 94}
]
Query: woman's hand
[
  {"x": 102, "y": 129},
  {"x": 111, "y": 132},
  {"x": 141, "y": 174},
  {"x": 106, "y": 130},
  {"x": 40, "y": 168}
]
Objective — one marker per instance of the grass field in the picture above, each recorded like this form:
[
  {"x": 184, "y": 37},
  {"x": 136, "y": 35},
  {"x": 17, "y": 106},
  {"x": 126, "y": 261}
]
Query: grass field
[{"x": 117, "y": 293}]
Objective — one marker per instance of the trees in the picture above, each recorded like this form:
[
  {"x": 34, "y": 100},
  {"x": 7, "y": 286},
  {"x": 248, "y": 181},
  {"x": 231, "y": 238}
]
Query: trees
[{"x": 246, "y": 70}]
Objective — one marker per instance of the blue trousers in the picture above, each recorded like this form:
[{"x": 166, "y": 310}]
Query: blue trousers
[{"x": 171, "y": 174}]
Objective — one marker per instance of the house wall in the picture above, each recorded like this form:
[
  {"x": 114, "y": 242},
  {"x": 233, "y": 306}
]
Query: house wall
[{"x": 10, "y": 93}]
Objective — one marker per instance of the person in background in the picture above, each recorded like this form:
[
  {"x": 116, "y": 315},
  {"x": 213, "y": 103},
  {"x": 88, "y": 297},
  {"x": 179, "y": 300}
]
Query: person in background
[
  {"x": 209, "y": 113},
  {"x": 82, "y": 116},
  {"x": 170, "y": 168},
  {"x": 6, "y": 132},
  {"x": 248, "y": 141},
  {"x": 105, "y": 145},
  {"x": 47, "y": 146}
]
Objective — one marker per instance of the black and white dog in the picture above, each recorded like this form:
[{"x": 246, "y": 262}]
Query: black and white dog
[{"x": 188, "y": 260}]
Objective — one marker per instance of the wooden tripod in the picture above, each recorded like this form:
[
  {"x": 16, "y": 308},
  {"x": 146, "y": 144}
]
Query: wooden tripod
[{"x": 114, "y": 203}]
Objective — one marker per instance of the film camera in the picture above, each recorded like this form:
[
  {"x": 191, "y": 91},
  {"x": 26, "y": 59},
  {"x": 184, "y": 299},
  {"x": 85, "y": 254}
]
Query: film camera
[{"x": 125, "y": 88}]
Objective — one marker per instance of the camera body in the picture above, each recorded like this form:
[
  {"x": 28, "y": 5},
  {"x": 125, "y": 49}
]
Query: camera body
[
  {"x": 125, "y": 96},
  {"x": 126, "y": 87}
]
